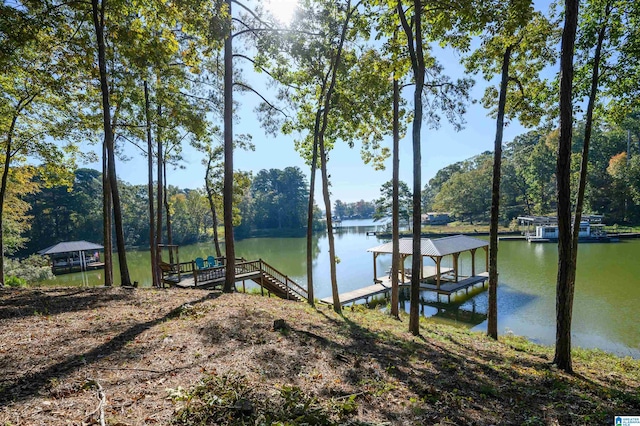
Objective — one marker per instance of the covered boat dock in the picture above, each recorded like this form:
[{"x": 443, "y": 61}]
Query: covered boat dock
[
  {"x": 436, "y": 250},
  {"x": 441, "y": 280},
  {"x": 73, "y": 256}
]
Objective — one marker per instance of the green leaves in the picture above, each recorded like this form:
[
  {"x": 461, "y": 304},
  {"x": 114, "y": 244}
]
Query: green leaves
[{"x": 532, "y": 38}]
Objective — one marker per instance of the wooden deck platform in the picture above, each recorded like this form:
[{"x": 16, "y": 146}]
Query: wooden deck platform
[
  {"x": 187, "y": 281},
  {"x": 449, "y": 288},
  {"x": 383, "y": 285},
  {"x": 187, "y": 275}
]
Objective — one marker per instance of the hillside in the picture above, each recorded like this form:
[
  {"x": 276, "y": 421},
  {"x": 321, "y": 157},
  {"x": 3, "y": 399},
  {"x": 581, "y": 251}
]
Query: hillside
[{"x": 143, "y": 357}]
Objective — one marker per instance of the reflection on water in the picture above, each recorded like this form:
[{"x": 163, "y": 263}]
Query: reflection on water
[{"x": 607, "y": 297}]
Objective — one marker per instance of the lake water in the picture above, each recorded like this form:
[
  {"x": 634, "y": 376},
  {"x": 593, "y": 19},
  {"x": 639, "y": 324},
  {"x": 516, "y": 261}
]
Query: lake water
[{"x": 606, "y": 311}]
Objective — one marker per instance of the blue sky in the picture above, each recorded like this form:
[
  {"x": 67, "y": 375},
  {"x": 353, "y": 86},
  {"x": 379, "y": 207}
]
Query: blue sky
[{"x": 351, "y": 179}]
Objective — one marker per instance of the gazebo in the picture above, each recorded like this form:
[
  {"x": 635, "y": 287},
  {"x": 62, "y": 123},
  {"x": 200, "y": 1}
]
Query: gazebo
[
  {"x": 72, "y": 256},
  {"x": 436, "y": 249}
]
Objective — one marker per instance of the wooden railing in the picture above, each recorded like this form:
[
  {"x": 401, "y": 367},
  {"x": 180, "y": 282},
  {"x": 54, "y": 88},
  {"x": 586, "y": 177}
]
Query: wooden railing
[
  {"x": 286, "y": 285},
  {"x": 290, "y": 285}
]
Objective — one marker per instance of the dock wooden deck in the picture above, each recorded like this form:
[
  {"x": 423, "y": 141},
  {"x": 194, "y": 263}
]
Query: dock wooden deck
[
  {"x": 383, "y": 285},
  {"x": 187, "y": 281},
  {"x": 449, "y": 288}
]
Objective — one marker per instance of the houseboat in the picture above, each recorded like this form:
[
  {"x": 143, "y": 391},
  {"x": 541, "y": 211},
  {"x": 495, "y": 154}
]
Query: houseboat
[{"x": 544, "y": 229}]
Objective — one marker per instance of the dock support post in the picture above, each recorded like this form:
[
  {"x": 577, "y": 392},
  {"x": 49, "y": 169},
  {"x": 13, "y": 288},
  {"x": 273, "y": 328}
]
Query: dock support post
[
  {"x": 244, "y": 289},
  {"x": 438, "y": 262}
]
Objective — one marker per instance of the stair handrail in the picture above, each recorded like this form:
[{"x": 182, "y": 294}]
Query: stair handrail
[{"x": 291, "y": 285}]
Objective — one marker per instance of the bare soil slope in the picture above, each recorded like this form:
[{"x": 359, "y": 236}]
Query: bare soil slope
[{"x": 139, "y": 357}]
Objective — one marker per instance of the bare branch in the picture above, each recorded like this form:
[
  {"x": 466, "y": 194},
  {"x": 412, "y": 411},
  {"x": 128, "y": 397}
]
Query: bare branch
[
  {"x": 252, "y": 13},
  {"x": 251, "y": 89},
  {"x": 275, "y": 30},
  {"x": 264, "y": 70}
]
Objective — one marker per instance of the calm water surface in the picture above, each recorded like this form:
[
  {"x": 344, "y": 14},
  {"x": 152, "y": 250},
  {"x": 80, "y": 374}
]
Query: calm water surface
[{"x": 607, "y": 301}]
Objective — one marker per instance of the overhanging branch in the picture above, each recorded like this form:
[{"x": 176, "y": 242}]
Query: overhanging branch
[{"x": 251, "y": 89}]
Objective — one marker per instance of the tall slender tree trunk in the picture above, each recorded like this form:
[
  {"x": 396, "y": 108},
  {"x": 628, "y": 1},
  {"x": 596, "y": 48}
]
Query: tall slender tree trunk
[
  {"x": 417, "y": 63},
  {"x": 327, "y": 204},
  {"x": 212, "y": 207},
  {"x": 3, "y": 192},
  {"x": 160, "y": 170},
  {"x": 492, "y": 324},
  {"x": 106, "y": 225},
  {"x": 312, "y": 186},
  {"x": 167, "y": 209},
  {"x": 395, "y": 208},
  {"x": 152, "y": 224},
  {"x": 588, "y": 130},
  {"x": 227, "y": 192},
  {"x": 337, "y": 307},
  {"x": 125, "y": 280},
  {"x": 565, "y": 285},
  {"x": 98, "y": 20}
]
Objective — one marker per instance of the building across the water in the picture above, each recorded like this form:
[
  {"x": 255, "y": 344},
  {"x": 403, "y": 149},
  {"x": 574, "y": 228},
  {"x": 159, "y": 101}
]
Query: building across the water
[
  {"x": 542, "y": 229},
  {"x": 73, "y": 256}
]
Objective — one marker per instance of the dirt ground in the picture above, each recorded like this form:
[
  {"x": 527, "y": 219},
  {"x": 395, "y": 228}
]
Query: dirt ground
[{"x": 133, "y": 357}]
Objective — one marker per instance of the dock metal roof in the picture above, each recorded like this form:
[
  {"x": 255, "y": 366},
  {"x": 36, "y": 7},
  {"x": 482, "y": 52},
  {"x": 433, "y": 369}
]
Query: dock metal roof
[
  {"x": 434, "y": 247},
  {"x": 71, "y": 246}
]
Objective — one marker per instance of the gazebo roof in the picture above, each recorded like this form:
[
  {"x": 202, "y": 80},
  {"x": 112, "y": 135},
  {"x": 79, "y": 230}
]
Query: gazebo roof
[
  {"x": 70, "y": 246},
  {"x": 434, "y": 247}
]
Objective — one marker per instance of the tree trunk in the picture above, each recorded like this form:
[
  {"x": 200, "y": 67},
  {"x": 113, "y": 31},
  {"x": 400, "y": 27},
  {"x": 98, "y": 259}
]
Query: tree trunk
[
  {"x": 152, "y": 225},
  {"x": 125, "y": 280},
  {"x": 227, "y": 192},
  {"x": 588, "y": 129},
  {"x": 492, "y": 324},
  {"x": 167, "y": 209},
  {"x": 3, "y": 193},
  {"x": 395, "y": 208},
  {"x": 417, "y": 63},
  {"x": 106, "y": 213},
  {"x": 98, "y": 21},
  {"x": 212, "y": 207},
  {"x": 565, "y": 284},
  {"x": 337, "y": 307},
  {"x": 312, "y": 185},
  {"x": 332, "y": 249},
  {"x": 161, "y": 171}
]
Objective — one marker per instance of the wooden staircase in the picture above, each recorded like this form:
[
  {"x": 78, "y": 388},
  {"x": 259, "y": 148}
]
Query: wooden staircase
[{"x": 279, "y": 284}]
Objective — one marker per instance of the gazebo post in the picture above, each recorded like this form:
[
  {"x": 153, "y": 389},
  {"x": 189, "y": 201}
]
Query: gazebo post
[
  {"x": 473, "y": 262},
  {"x": 486, "y": 257},
  {"x": 375, "y": 269},
  {"x": 421, "y": 268},
  {"x": 401, "y": 266},
  {"x": 455, "y": 265},
  {"x": 438, "y": 260}
]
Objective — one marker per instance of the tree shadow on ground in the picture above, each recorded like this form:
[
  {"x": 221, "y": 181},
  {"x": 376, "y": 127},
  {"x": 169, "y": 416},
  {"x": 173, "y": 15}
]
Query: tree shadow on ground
[
  {"x": 56, "y": 301},
  {"x": 472, "y": 384},
  {"x": 31, "y": 384}
]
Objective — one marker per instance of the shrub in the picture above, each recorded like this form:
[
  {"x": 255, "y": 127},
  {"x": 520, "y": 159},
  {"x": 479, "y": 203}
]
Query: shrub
[
  {"x": 30, "y": 270},
  {"x": 13, "y": 281}
]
